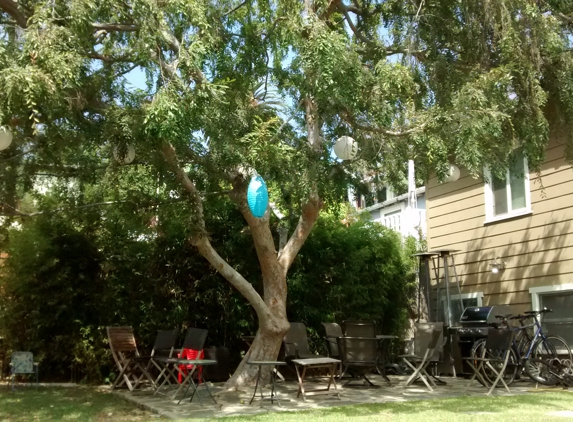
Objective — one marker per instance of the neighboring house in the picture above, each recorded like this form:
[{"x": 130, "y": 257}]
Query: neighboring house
[
  {"x": 391, "y": 211},
  {"x": 524, "y": 221}
]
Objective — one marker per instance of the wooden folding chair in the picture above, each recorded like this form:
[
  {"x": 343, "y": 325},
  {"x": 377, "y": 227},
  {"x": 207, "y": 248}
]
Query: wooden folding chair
[
  {"x": 496, "y": 351},
  {"x": 429, "y": 344},
  {"x": 132, "y": 369}
]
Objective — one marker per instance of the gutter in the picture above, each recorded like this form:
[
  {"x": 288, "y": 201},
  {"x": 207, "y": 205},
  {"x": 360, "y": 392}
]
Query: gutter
[{"x": 400, "y": 198}]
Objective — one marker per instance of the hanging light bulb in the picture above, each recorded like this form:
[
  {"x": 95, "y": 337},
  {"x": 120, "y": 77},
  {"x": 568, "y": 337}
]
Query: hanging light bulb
[
  {"x": 346, "y": 148},
  {"x": 124, "y": 155},
  {"x": 5, "y": 138},
  {"x": 453, "y": 174}
]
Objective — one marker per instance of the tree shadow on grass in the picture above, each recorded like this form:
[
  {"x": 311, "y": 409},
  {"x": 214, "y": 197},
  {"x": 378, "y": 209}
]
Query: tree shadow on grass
[{"x": 71, "y": 403}]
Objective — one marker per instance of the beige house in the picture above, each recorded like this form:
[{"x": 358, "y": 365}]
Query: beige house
[{"x": 524, "y": 222}]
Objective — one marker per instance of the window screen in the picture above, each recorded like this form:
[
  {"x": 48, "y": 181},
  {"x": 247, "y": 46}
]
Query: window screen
[{"x": 560, "y": 321}]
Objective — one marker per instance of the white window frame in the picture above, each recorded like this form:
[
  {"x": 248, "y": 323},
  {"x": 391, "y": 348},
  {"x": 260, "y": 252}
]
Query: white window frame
[
  {"x": 489, "y": 201},
  {"x": 536, "y": 292}
]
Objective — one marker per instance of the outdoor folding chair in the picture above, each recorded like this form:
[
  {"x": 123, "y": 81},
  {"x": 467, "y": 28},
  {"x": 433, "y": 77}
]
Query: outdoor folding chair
[
  {"x": 23, "y": 363},
  {"x": 497, "y": 347},
  {"x": 185, "y": 366},
  {"x": 296, "y": 343},
  {"x": 429, "y": 344},
  {"x": 132, "y": 369},
  {"x": 358, "y": 354},
  {"x": 333, "y": 331},
  {"x": 163, "y": 349}
]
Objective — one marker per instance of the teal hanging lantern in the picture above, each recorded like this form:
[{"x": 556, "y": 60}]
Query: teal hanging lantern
[{"x": 258, "y": 196}]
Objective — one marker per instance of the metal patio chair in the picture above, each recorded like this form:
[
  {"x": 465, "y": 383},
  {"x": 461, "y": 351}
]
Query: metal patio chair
[
  {"x": 358, "y": 355},
  {"x": 359, "y": 328},
  {"x": 296, "y": 343},
  {"x": 333, "y": 331},
  {"x": 22, "y": 363}
]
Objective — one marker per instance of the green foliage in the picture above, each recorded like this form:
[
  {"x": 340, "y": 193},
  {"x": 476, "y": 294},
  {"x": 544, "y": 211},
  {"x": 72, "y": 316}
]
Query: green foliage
[
  {"x": 61, "y": 286},
  {"x": 357, "y": 272}
]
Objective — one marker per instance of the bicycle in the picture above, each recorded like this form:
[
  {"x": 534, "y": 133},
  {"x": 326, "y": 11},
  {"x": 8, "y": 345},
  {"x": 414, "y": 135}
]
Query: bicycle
[{"x": 537, "y": 354}]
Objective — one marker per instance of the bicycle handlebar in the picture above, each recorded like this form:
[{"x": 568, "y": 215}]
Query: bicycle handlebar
[{"x": 540, "y": 312}]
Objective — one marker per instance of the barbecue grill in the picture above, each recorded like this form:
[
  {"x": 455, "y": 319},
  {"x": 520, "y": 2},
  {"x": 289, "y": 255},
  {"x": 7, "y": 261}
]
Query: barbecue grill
[{"x": 474, "y": 325}]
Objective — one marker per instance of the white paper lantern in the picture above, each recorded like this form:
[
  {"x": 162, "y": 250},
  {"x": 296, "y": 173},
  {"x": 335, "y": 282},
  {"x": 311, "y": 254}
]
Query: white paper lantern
[
  {"x": 124, "y": 156},
  {"x": 346, "y": 148},
  {"x": 453, "y": 174},
  {"x": 5, "y": 138}
]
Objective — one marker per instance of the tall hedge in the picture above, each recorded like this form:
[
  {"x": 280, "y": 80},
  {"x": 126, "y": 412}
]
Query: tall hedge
[{"x": 63, "y": 283}]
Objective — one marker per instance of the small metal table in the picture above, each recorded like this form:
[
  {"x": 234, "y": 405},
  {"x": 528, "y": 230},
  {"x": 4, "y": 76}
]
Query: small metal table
[
  {"x": 188, "y": 378},
  {"x": 381, "y": 368},
  {"x": 313, "y": 363},
  {"x": 274, "y": 371}
]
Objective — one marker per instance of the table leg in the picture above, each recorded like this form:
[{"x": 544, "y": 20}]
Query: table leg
[
  {"x": 301, "y": 382},
  {"x": 381, "y": 364},
  {"x": 200, "y": 381},
  {"x": 274, "y": 372},
  {"x": 256, "y": 385},
  {"x": 188, "y": 379}
]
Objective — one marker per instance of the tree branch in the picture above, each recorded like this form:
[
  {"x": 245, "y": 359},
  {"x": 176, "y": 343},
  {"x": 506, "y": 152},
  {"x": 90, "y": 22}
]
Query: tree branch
[
  {"x": 113, "y": 27},
  {"x": 234, "y": 9},
  {"x": 11, "y": 7},
  {"x": 351, "y": 121},
  {"x": 201, "y": 241},
  {"x": 311, "y": 209},
  {"x": 310, "y": 213}
]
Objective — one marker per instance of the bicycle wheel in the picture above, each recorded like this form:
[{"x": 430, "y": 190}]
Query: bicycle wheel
[
  {"x": 489, "y": 375},
  {"x": 549, "y": 350}
]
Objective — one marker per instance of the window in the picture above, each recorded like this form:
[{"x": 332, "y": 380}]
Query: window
[
  {"x": 468, "y": 300},
  {"x": 509, "y": 196},
  {"x": 559, "y": 299}
]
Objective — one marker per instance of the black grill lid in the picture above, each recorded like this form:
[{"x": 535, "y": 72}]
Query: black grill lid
[{"x": 483, "y": 314}]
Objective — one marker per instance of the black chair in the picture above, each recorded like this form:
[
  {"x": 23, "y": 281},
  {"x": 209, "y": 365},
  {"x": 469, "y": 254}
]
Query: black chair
[
  {"x": 194, "y": 340},
  {"x": 163, "y": 349},
  {"x": 296, "y": 343},
  {"x": 496, "y": 351},
  {"x": 358, "y": 355},
  {"x": 422, "y": 355},
  {"x": 333, "y": 331},
  {"x": 359, "y": 329}
]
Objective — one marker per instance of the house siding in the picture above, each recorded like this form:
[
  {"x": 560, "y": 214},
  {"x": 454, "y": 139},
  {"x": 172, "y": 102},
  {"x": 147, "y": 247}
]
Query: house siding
[{"x": 537, "y": 248}]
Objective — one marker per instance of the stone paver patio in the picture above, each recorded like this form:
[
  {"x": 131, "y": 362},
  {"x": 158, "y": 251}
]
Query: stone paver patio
[{"x": 235, "y": 403}]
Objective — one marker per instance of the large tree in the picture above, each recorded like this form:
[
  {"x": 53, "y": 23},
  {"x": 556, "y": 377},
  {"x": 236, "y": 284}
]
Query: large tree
[{"x": 425, "y": 80}]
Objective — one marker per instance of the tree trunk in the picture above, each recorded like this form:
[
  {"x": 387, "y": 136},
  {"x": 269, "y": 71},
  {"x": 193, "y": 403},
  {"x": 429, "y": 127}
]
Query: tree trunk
[{"x": 265, "y": 347}]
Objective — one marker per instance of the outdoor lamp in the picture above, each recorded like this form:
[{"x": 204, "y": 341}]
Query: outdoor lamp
[
  {"x": 497, "y": 266},
  {"x": 453, "y": 174},
  {"x": 5, "y": 138},
  {"x": 346, "y": 148},
  {"x": 257, "y": 196},
  {"x": 124, "y": 155}
]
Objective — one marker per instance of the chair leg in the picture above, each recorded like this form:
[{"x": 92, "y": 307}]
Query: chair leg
[{"x": 499, "y": 377}]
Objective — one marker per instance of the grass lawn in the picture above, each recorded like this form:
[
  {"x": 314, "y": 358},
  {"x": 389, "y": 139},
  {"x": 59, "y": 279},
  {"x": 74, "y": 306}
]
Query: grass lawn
[
  {"x": 539, "y": 406},
  {"x": 90, "y": 404},
  {"x": 67, "y": 404}
]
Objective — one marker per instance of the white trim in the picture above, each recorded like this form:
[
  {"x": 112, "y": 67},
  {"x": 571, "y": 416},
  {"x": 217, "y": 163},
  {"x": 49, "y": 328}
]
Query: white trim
[
  {"x": 403, "y": 197},
  {"x": 472, "y": 295},
  {"x": 520, "y": 213},
  {"x": 537, "y": 291},
  {"x": 488, "y": 193}
]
